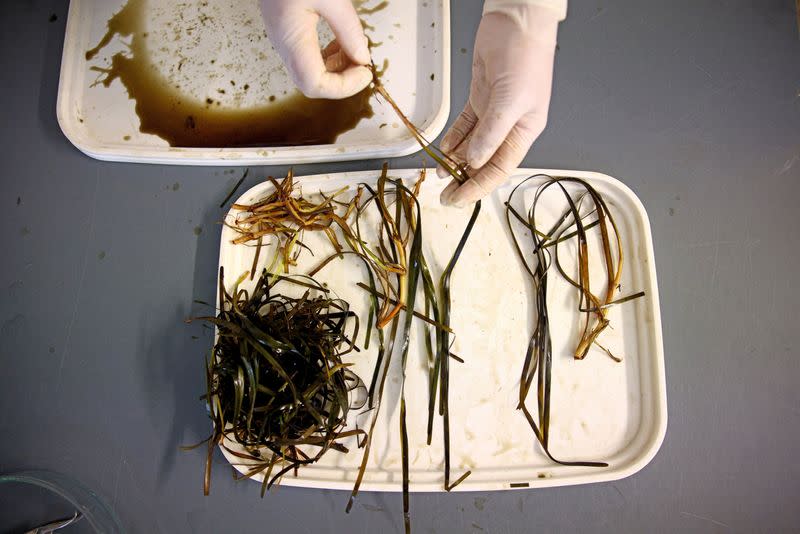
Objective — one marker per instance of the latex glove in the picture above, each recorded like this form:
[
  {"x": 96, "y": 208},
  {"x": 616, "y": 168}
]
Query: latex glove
[
  {"x": 338, "y": 72},
  {"x": 512, "y": 74}
]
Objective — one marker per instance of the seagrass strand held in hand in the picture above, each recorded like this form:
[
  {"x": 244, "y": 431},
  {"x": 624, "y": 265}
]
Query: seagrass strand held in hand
[
  {"x": 277, "y": 384},
  {"x": 538, "y": 358},
  {"x": 437, "y": 297}
]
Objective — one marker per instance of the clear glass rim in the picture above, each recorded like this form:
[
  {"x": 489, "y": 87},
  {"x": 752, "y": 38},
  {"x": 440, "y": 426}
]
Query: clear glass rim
[{"x": 94, "y": 508}]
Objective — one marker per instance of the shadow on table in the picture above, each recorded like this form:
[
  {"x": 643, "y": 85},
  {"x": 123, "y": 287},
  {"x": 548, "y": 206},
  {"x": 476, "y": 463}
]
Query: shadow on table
[
  {"x": 174, "y": 371},
  {"x": 175, "y": 368}
]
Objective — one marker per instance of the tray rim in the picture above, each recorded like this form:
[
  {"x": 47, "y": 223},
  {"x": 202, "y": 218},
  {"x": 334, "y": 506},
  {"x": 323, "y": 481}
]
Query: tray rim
[
  {"x": 238, "y": 157},
  {"x": 649, "y": 446}
]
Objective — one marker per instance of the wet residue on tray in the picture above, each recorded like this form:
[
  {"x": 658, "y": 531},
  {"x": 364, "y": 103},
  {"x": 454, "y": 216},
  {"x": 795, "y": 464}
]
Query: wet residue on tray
[
  {"x": 167, "y": 111},
  {"x": 364, "y": 10}
]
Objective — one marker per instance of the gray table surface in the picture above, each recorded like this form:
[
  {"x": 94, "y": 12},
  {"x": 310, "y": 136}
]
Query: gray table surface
[{"x": 694, "y": 104}]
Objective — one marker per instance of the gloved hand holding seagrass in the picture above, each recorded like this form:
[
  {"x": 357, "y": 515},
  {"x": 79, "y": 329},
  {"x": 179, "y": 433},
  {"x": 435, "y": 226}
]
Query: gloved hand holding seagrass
[
  {"x": 338, "y": 71},
  {"x": 512, "y": 75}
]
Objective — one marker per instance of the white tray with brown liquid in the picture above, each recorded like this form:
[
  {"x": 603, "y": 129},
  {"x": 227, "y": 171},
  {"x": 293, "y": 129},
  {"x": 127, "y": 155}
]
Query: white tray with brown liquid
[{"x": 197, "y": 82}]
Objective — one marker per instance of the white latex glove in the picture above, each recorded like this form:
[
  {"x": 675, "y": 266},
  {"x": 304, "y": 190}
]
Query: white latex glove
[
  {"x": 338, "y": 72},
  {"x": 512, "y": 74}
]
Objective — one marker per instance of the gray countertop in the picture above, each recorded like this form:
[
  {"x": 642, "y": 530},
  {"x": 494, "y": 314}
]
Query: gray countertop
[{"x": 694, "y": 104}]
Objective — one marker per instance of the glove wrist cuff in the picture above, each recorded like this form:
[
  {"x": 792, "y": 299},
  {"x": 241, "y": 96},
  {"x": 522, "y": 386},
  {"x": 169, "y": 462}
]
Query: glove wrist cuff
[{"x": 558, "y": 7}]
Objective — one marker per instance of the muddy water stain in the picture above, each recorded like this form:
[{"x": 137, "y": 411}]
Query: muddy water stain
[
  {"x": 182, "y": 121},
  {"x": 363, "y": 10}
]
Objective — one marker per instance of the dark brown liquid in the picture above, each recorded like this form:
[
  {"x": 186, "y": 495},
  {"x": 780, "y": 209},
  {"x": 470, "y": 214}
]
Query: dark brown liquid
[{"x": 183, "y": 121}]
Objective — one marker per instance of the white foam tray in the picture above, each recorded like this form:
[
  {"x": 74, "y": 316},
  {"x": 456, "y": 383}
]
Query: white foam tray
[
  {"x": 415, "y": 37},
  {"x": 602, "y": 410}
]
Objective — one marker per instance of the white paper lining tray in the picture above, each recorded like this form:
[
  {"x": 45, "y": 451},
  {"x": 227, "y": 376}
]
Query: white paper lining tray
[
  {"x": 601, "y": 410},
  {"x": 184, "y": 38}
]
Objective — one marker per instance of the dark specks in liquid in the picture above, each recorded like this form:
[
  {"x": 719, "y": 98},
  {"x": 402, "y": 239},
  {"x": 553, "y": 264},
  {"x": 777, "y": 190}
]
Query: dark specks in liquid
[
  {"x": 167, "y": 112},
  {"x": 272, "y": 98}
]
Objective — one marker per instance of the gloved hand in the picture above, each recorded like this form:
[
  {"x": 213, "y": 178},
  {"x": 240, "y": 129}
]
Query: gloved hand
[
  {"x": 512, "y": 75},
  {"x": 338, "y": 72}
]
